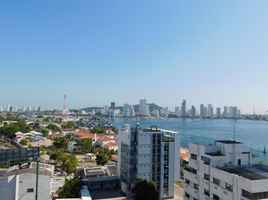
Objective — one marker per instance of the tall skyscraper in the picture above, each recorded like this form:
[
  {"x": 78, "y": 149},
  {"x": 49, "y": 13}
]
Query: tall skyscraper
[
  {"x": 233, "y": 112},
  {"x": 143, "y": 107},
  {"x": 210, "y": 110},
  {"x": 183, "y": 109},
  {"x": 166, "y": 112},
  {"x": 202, "y": 111},
  {"x": 177, "y": 111},
  {"x": 112, "y": 111},
  {"x": 193, "y": 112},
  {"x": 151, "y": 154},
  {"x": 225, "y": 111},
  {"x": 126, "y": 110},
  {"x": 218, "y": 112}
]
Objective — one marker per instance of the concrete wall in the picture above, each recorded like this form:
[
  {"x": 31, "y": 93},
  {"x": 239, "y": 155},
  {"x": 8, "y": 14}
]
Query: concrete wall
[
  {"x": 27, "y": 181},
  {"x": 8, "y": 188}
]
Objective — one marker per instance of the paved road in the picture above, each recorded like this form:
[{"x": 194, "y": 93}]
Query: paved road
[{"x": 178, "y": 193}]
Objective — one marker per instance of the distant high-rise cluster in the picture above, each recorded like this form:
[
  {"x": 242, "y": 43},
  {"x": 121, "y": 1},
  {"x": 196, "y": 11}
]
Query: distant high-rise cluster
[{"x": 14, "y": 109}]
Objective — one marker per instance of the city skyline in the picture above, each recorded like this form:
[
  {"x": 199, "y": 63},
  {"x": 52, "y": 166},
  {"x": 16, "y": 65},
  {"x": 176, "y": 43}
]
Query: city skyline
[{"x": 206, "y": 52}]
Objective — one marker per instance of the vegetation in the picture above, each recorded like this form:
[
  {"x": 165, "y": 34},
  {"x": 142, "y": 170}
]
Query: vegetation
[
  {"x": 71, "y": 188},
  {"x": 98, "y": 130},
  {"x": 68, "y": 163},
  {"x": 61, "y": 142},
  {"x": 52, "y": 120},
  {"x": 69, "y": 125},
  {"x": 102, "y": 158},
  {"x": 144, "y": 189},
  {"x": 9, "y": 130},
  {"x": 85, "y": 145},
  {"x": 44, "y": 131},
  {"x": 24, "y": 142},
  {"x": 2, "y": 119},
  {"x": 55, "y": 155},
  {"x": 54, "y": 128}
]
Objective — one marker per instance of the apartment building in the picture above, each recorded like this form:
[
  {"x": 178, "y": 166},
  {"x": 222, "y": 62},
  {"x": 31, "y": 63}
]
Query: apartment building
[
  {"x": 225, "y": 170},
  {"x": 151, "y": 154}
]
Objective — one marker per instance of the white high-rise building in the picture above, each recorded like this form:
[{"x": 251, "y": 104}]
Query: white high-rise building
[
  {"x": 143, "y": 107},
  {"x": 183, "y": 109},
  {"x": 210, "y": 110},
  {"x": 177, "y": 111},
  {"x": 151, "y": 154},
  {"x": 126, "y": 110},
  {"x": 166, "y": 112},
  {"x": 233, "y": 112},
  {"x": 202, "y": 111},
  {"x": 225, "y": 111},
  {"x": 218, "y": 112},
  {"x": 225, "y": 170}
]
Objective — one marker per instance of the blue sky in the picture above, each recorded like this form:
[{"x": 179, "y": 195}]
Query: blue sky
[{"x": 98, "y": 51}]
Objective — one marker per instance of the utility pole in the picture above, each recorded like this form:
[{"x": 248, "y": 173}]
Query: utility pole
[{"x": 37, "y": 176}]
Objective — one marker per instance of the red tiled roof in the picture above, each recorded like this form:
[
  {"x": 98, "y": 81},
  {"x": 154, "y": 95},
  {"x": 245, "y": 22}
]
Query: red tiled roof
[
  {"x": 83, "y": 134},
  {"x": 104, "y": 138},
  {"x": 111, "y": 144}
]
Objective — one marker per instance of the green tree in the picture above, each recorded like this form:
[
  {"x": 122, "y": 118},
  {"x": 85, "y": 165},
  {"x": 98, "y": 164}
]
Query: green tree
[
  {"x": 71, "y": 188},
  {"x": 144, "y": 190},
  {"x": 9, "y": 131},
  {"x": 69, "y": 163},
  {"x": 102, "y": 158},
  {"x": 61, "y": 142},
  {"x": 2, "y": 119},
  {"x": 85, "y": 145},
  {"x": 54, "y": 128},
  {"x": 69, "y": 124},
  {"x": 98, "y": 130},
  {"x": 24, "y": 142},
  {"x": 44, "y": 131},
  {"x": 56, "y": 155}
]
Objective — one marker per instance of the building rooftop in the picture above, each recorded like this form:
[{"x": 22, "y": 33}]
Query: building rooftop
[
  {"x": 254, "y": 172},
  {"x": 44, "y": 169},
  {"x": 98, "y": 171},
  {"x": 228, "y": 142}
]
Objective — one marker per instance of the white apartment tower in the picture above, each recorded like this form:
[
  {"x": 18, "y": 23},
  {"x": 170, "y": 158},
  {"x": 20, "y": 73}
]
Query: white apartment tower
[
  {"x": 183, "y": 109},
  {"x": 143, "y": 107},
  {"x": 151, "y": 154},
  {"x": 225, "y": 170}
]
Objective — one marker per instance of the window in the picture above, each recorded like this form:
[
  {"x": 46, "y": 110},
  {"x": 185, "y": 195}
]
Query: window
[
  {"x": 259, "y": 195},
  {"x": 206, "y": 177},
  {"x": 187, "y": 195},
  {"x": 215, "y": 197},
  {"x": 187, "y": 181},
  {"x": 193, "y": 156},
  {"x": 228, "y": 187},
  {"x": 206, "y": 192},
  {"x": 239, "y": 162},
  {"x": 196, "y": 186},
  {"x": 30, "y": 190},
  {"x": 216, "y": 181}
]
